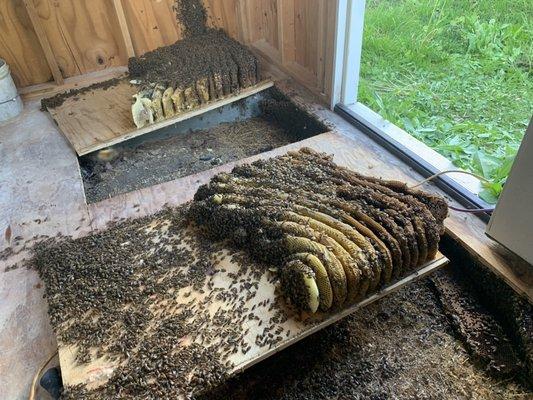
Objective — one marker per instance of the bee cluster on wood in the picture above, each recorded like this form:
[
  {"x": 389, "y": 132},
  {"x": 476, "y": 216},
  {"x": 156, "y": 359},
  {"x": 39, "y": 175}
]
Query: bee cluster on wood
[
  {"x": 336, "y": 236},
  {"x": 177, "y": 311},
  {"x": 193, "y": 71},
  {"x": 153, "y": 298}
]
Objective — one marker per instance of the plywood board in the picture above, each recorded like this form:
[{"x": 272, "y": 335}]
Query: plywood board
[
  {"x": 102, "y": 117},
  {"x": 263, "y": 21},
  {"x": 223, "y": 15},
  {"x": 84, "y": 35},
  {"x": 226, "y": 280},
  {"x": 152, "y": 24}
]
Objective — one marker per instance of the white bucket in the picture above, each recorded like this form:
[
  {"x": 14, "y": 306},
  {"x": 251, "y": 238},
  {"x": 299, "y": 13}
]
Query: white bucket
[{"x": 10, "y": 102}]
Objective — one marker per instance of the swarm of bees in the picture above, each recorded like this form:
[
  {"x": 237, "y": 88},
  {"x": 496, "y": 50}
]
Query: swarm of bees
[
  {"x": 193, "y": 71},
  {"x": 336, "y": 236}
]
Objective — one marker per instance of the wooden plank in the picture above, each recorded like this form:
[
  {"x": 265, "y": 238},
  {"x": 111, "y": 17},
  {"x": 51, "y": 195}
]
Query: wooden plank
[
  {"x": 300, "y": 31},
  {"x": 102, "y": 118},
  {"x": 153, "y": 24},
  {"x": 286, "y": 30},
  {"x": 308, "y": 17},
  {"x": 49, "y": 89},
  {"x": 296, "y": 71},
  {"x": 301, "y": 331},
  {"x": 266, "y": 49},
  {"x": 19, "y": 46},
  {"x": 263, "y": 20},
  {"x": 224, "y": 15},
  {"x": 99, "y": 370},
  {"x": 84, "y": 34},
  {"x": 43, "y": 40},
  {"x": 320, "y": 58},
  {"x": 243, "y": 14},
  {"x": 301, "y": 44},
  {"x": 97, "y": 117},
  {"x": 469, "y": 232},
  {"x": 329, "y": 44},
  {"x": 123, "y": 24}
]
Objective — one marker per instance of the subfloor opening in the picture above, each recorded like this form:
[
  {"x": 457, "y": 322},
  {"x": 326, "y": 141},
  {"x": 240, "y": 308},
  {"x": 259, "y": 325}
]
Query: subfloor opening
[{"x": 253, "y": 125}]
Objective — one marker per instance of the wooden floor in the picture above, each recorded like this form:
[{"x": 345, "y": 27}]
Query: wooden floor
[
  {"x": 102, "y": 117},
  {"x": 42, "y": 194}
]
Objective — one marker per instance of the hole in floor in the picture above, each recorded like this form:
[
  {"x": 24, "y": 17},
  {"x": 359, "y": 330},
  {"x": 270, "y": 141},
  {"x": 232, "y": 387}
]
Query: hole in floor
[{"x": 253, "y": 125}]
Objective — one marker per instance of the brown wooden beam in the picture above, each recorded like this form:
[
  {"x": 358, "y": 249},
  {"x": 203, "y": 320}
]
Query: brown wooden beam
[
  {"x": 44, "y": 42},
  {"x": 124, "y": 30}
]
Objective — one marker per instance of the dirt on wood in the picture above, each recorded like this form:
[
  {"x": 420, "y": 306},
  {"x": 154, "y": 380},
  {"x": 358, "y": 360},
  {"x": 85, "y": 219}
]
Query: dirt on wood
[
  {"x": 402, "y": 346},
  {"x": 59, "y": 99},
  {"x": 114, "y": 294},
  {"x": 164, "y": 160},
  {"x": 477, "y": 328}
]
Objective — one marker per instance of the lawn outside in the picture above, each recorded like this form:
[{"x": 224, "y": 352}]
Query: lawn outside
[{"x": 457, "y": 75}]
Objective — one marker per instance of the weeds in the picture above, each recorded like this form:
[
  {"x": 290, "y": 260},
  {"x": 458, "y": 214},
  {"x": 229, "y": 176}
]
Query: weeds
[{"x": 456, "y": 75}]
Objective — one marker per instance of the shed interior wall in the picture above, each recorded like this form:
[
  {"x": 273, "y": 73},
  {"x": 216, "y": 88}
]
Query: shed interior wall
[{"x": 46, "y": 41}]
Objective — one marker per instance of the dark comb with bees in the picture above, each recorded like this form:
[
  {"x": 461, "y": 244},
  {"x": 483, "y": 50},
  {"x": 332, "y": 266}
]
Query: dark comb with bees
[
  {"x": 336, "y": 236},
  {"x": 191, "y": 72}
]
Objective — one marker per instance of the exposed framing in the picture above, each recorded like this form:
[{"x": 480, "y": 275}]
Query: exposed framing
[{"x": 44, "y": 42}]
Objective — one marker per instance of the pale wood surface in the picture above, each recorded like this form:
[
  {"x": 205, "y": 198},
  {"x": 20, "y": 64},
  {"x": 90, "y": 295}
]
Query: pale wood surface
[
  {"x": 124, "y": 29},
  {"x": 84, "y": 34},
  {"x": 102, "y": 117},
  {"x": 50, "y": 88},
  {"x": 92, "y": 35},
  {"x": 286, "y": 24},
  {"x": 271, "y": 56},
  {"x": 43, "y": 40},
  {"x": 20, "y": 47},
  {"x": 243, "y": 22},
  {"x": 299, "y": 325},
  {"x": 96, "y": 117},
  {"x": 263, "y": 16},
  {"x": 329, "y": 46},
  {"x": 301, "y": 331},
  {"x": 152, "y": 24}
]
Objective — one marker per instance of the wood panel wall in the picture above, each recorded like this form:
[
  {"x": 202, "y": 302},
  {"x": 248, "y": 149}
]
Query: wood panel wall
[
  {"x": 296, "y": 35},
  {"x": 45, "y": 40},
  {"x": 19, "y": 45}
]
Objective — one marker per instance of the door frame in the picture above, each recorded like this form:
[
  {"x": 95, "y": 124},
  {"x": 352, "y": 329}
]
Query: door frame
[{"x": 349, "y": 34}]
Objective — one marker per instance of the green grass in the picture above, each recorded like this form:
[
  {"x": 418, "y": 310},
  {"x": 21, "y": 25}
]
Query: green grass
[{"x": 456, "y": 74}]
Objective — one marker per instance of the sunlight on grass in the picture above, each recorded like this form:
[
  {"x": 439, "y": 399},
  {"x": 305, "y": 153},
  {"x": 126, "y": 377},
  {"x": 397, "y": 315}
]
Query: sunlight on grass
[{"x": 456, "y": 74}]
